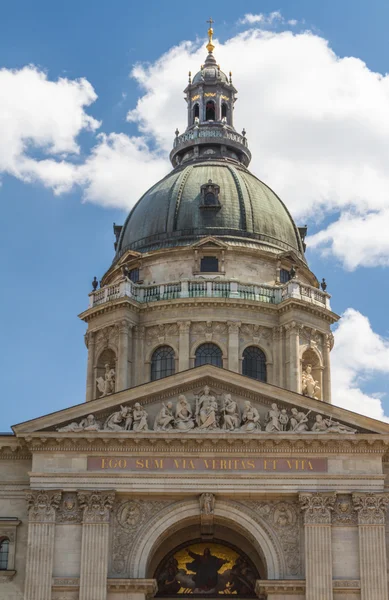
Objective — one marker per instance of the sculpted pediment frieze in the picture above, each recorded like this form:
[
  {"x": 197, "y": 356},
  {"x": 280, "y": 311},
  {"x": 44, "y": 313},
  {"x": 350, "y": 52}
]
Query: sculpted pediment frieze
[{"x": 206, "y": 400}]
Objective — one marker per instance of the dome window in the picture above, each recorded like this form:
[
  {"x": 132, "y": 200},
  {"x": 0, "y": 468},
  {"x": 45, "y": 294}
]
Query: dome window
[
  {"x": 224, "y": 110},
  {"x": 284, "y": 276},
  {"x": 162, "y": 363},
  {"x": 209, "y": 354},
  {"x": 254, "y": 363},
  {"x": 210, "y": 196},
  {"x": 210, "y": 111},
  {"x": 196, "y": 112},
  {"x": 209, "y": 264}
]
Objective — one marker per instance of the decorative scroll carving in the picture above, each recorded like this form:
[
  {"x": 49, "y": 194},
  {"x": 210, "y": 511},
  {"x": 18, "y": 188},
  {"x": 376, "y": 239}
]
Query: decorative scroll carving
[
  {"x": 161, "y": 332},
  {"x": 284, "y": 521},
  {"x": 42, "y": 505},
  {"x": 310, "y": 337},
  {"x": 107, "y": 338},
  {"x": 69, "y": 510},
  {"x": 256, "y": 332},
  {"x": 96, "y": 505},
  {"x": 130, "y": 517},
  {"x": 344, "y": 513},
  {"x": 371, "y": 508},
  {"x": 317, "y": 507}
]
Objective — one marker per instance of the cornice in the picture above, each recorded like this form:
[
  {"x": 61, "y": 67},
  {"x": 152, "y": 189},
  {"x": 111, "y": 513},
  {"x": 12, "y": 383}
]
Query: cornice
[
  {"x": 221, "y": 443},
  {"x": 13, "y": 448}
]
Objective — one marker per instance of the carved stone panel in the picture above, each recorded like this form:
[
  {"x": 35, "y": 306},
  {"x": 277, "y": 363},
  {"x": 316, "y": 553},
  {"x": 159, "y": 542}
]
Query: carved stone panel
[
  {"x": 343, "y": 512},
  {"x": 69, "y": 510}
]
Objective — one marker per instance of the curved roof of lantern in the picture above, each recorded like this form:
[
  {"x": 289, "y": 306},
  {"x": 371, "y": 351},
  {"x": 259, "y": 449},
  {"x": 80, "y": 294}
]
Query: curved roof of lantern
[{"x": 169, "y": 213}]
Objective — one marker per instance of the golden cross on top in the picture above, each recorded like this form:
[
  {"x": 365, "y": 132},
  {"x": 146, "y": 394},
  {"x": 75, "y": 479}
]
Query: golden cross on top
[{"x": 210, "y": 21}]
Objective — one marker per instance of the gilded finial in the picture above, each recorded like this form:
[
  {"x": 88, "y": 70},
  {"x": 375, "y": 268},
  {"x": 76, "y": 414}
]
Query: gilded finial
[
  {"x": 190, "y": 76},
  {"x": 210, "y": 46},
  {"x": 230, "y": 76}
]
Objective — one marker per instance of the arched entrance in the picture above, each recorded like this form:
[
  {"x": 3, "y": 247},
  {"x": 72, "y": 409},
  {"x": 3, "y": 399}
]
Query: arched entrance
[{"x": 179, "y": 526}]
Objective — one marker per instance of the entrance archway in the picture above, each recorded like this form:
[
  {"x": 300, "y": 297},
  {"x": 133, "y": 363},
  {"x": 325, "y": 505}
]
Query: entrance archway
[{"x": 180, "y": 523}]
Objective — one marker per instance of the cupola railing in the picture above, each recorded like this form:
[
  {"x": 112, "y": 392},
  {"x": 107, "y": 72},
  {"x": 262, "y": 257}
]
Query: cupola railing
[{"x": 209, "y": 288}]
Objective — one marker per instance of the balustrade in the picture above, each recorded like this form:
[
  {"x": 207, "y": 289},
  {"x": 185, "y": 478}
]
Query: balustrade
[{"x": 209, "y": 288}]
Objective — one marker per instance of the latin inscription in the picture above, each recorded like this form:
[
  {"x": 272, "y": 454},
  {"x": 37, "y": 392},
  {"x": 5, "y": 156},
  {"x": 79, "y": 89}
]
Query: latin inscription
[{"x": 257, "y": 465}]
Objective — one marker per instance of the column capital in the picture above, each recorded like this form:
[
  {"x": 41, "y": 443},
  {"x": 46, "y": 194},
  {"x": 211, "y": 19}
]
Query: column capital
[
  {"x": 96, "y": 505},
  {"x": 293, "y": 327},
  {"x": 329, "y": 340},
  {"x": 233, "y": 326},
  {"x": 42, "y": 505},
  {"x": 124, "y": 326},
  {"x": 317, "y": 507},
  {"x": 184, "y": 326},
  {"x": 371, "y": 508}
]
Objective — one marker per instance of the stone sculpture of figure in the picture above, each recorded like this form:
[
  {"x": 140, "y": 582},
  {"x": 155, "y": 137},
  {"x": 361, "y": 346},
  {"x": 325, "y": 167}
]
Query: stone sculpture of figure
[
  {"x": 298, "y": 421},
  {"x": 165, "y": 418},
  {"x": 139, "y": 417},
  {"x": 118, "y": 421},
  {"x": 273, "y": 419},
  {"x": 184, "y": 415},
  {"x": 323, "y": 425},
  {"x": 106, "y": 384},
  {"x": 89, "y": 423},
  {"x": 284, "y": 419},
  {"x": 231, "y": 417},
  {"x": 206, "y": 410},
  {"x": 309, "y": 386},
  {"x": 250, "y": 418},
  {"x": 207, "y": 503}
]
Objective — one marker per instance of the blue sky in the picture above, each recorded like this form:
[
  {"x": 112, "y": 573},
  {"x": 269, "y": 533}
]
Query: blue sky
[{"x": 52, "y": 244}]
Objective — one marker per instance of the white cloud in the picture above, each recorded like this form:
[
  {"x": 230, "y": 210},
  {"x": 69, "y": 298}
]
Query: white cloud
[
  {"x": 317, "y": 125},
  {"x": 42, "y": 116},
  {"x": 263, "y": 19},
  {"x": 359, "y": 354}
]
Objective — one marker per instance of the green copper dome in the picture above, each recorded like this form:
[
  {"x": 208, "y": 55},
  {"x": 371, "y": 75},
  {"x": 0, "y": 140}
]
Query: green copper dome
[{"x": 172, "y": 212}]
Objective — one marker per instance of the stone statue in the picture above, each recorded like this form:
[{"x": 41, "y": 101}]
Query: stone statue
[
  {"x": 298, "y": 421},
  {"x": 309, "y": 386},
  {"x": 89, "y": 423},
  {"x": 164, "y": 419},
  {"x": 207, "y": 503},
  {"x": 250, "y": 418},
  {"x": 139, "y": 417},
  {"x": 323, "y": 425},
  {"x": 184, "y": 416},
  {"x": 106, "y": 384},
  {"x": 231, "y": 417},
  {"x": 206, "y": 411},
  {"x": 273, "y": 419},
  {"x": 283, "y": 419},
  {"x": 120, "y": 420}
]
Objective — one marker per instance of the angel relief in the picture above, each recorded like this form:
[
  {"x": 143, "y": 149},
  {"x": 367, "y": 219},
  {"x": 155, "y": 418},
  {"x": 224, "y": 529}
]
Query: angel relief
[{"x": 206, "y": 568}]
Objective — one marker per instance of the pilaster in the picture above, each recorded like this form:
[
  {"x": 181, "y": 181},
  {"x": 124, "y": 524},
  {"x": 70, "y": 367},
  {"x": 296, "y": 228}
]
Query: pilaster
[
  {"x": 327, "y": 346},
  {"x": 293, "y": 360},
  {"x": 371, "y": 509},
  {"x": 42, "y": 507},
  {"x": 183, "y": 348},
  {"x": 139, "y": 359},
  {"x": 97, "y": 506},
  {"x": 233, "y": 345},
  {"x": 90, "y": 341},
  {"x": 318, "y": 556},
  {"x": 124, "y": 355}
]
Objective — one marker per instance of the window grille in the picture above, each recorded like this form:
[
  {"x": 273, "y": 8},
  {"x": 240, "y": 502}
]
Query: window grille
[
  {"x": 254, "y": 363},
  {"x": 208, "y": 354},
  {"x": 209, "y": 264},
  {"x": 162, "y": 363},
  {"x": 4, "y": 551}
]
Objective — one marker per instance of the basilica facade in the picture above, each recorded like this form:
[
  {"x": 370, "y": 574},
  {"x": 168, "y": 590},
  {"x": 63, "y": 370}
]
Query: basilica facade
[{"x": 207, "y": 459}]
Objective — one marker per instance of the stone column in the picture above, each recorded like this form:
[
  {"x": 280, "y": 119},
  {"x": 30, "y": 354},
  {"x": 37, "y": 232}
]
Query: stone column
[
  {"x": 183, "y": 345},
  {"x": 42, "y": 507},
  {"x": 328, "y": 343},
  {"x": 293, "y": 357},
  {"x": 318, "y": 556},
  {"x": 139, "y": 359},
  {"x": 124, "y": 355},
  {"x": 90, "y": 341},
  {"x": 96, "y": 507},
  {"x": 371, "y": 509},
  {"x": 233, "y": 345}
]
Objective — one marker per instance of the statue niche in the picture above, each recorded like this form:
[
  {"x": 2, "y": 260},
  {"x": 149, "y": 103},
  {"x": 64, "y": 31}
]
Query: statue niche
[
  {"x": 206, "y": 569},
  {"x": 105, "y": 374},
  {"x": 311, "y": 377}
]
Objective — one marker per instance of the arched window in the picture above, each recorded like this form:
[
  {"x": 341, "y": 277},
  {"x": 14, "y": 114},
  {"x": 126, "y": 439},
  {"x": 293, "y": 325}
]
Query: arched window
[
  {"x": 4, "y": 551},
  {"x": 254, "y": 363},
  {"x": 162, "y": 363},
  {"x": 224, "y": 110},
  {"x": 196, "y": 112},
  {"x": 209, "y": 354},
  {"x": 210, "y": 112}
]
